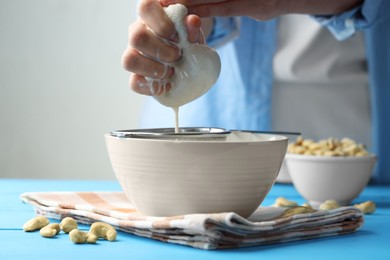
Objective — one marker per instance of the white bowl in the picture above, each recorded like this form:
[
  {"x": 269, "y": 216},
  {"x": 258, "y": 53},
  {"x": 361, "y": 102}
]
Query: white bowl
[
  {"x": 321, "y": 178},
  {"x": 284, "y": 175},
  {"x": 165, "y": 177}
]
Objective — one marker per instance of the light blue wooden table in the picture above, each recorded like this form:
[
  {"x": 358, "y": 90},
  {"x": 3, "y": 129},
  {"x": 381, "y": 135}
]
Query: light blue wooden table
[{"x": 371, "y": 242}]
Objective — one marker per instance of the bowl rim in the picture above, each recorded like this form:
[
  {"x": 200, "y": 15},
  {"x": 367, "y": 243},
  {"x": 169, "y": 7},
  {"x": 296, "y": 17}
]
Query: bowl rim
[
  {"x": 324, "y": 158},
  {"x": 271, "y": 138}
]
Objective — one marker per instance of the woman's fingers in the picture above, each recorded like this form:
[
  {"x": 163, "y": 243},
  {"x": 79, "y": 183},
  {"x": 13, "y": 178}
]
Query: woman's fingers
[
  {"x": 259, "y": 9},
  {"x": 263, "y": 9},
  {"x": 137, "y": 63},
  {"x": 154, "y": 16},
  {"x": 141, "y": 85},
  {"x": 211, "y": 8},
  {"x": 146, "y": 42},
  {"x": 189, "y": 2}
]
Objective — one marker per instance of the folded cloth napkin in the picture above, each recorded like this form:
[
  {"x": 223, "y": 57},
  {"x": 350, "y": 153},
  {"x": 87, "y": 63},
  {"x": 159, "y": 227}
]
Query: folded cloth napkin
[{"x": 267, "y": 225}]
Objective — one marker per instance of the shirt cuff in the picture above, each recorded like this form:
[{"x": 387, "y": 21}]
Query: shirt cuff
[
  {"x": 346, "y": 24},
  {"x": 224, "y": 31}
]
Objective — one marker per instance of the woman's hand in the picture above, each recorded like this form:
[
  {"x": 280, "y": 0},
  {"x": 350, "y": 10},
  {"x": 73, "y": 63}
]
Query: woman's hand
[
  {"x": 257, "y": 9},
  {"x": 264, "y": 9},
  {"x": 151, "y": 47}
]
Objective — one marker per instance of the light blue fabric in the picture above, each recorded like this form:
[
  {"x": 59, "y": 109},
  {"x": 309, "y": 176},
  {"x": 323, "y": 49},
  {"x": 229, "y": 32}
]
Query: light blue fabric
[
  {"x": 225, "y": 30},
  {"x": 378, "y": 53},
  {"x": 346, "y": 24},
  {"x": 373, "y": 17},
  {"x": 241, "y": 97}
]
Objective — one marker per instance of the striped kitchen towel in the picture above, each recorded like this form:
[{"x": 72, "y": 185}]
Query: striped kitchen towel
[{"x": 268, "y": 225}]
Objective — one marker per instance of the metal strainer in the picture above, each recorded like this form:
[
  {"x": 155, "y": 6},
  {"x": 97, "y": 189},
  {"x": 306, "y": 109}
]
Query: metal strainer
[{"x": 186, "y": 133}]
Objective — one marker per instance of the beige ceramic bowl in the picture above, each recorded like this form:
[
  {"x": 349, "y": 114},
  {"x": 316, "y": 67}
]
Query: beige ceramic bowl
[
  {"x": 321, "y": 178},
  {"x": 166, "y": 177}
]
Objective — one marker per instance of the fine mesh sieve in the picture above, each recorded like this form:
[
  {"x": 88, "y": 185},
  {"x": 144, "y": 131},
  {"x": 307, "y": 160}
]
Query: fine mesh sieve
[{"x": 187, "y": 133}]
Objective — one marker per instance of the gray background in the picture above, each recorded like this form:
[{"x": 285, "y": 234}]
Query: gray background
[{"x": 62, "y": 86}]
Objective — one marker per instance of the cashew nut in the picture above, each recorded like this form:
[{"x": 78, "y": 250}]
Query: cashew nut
[
  {"x": 50, "y": 230},
  {"x": 283, "y": 202},
  {"x": 367, "y": 207},
  {"x": 68, "y": 224},
  {"x": 329, "y": 204},
  {"x": 307, "y": 205},
  {"x": 35, "y": 223},
  {"x": 103, "y": 230},
  {"x": 78, "y": 236},
  {"x": 296, "y": 211},
  {"x": 91, "y": 238}
]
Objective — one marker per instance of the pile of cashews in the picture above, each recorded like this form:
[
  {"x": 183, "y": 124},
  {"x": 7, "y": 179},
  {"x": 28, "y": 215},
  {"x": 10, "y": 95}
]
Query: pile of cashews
[
  {"x": 327, "y": 147},
  {"x": 367, "y": 207},
  {"x": 69, "y": 226}
]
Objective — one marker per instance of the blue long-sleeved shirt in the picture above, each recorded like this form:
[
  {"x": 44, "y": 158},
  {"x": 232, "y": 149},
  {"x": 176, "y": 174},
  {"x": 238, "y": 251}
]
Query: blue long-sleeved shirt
[
  {"x": 241, "y": 97},
  {"x": 373, "y": 17}
]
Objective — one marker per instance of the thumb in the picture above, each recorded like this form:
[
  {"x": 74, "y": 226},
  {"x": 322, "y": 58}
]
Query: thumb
[{"x": 193, "y": 24}]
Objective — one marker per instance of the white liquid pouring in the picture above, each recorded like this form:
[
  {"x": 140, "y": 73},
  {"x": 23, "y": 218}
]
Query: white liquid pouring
[
  {"x": 176, "y": 110},
  {"x": 195, "y": 72}
]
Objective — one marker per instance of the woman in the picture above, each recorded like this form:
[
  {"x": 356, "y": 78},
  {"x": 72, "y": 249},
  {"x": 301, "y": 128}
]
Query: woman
[{"x": 242, "y": 96}]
